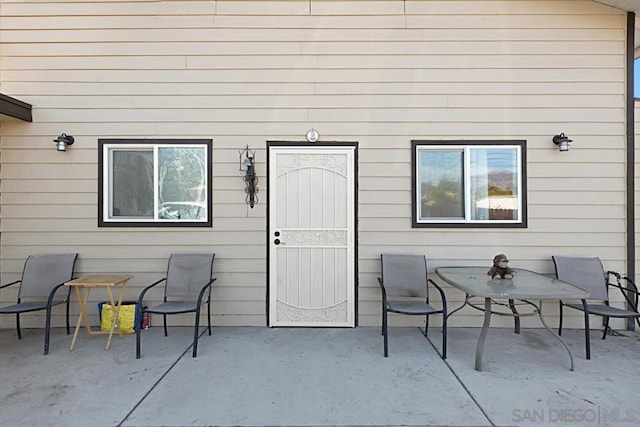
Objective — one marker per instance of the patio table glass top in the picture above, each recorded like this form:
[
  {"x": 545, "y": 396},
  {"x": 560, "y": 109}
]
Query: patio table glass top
[{"x": 525, "y": 284}]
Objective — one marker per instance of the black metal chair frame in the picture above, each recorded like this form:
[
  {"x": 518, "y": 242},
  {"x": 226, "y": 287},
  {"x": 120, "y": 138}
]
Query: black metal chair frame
[
  {"x": 386, "y": 309},
  {"x": 50, "y": 303},
  {"x": 632, "y": 302},
  {"x": 141, "y": 310}
]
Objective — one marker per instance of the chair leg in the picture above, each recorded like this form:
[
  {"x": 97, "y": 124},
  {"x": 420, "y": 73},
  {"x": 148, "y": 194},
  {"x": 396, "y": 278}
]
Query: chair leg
[
  {"x": 209, "y": 315},
  {"x": 138, "y": 330},
  {"x": 444, "y": 336},
  {"x": 560, "y": 321},
  {"x": 385, "y": 331},
  {"x": 164, "y": 316},
  {"x": 18, "y": 326},
  {"x": 68, "y": 327},
  {"x": 47, "y": 330},
  {"x": 195, "y": 333},
  {"x": 606, "y": 327},
  {"x": 138, "y": 344},
  {"x": 586, "y": 331},
  {"x": 426, "y": 325}
]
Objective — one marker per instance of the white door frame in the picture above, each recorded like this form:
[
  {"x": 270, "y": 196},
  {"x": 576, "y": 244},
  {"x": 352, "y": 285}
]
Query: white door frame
[{"x": 270, "y": 231}]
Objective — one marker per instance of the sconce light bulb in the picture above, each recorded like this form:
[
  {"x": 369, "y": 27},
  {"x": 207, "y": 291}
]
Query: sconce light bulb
[
  {"x": 313, "y": 135},
  {"x": 62, "y": 141},
  {"x": 562, "y": 141}
]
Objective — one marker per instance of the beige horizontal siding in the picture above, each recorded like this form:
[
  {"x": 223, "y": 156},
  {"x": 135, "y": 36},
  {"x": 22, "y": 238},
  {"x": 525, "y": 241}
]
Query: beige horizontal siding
[
  {"x": 91, "y": 35},
  {"x": 378, "y": 72},
  {"x": 175, "y": 51},
  {"x": 378, "y": 81}
]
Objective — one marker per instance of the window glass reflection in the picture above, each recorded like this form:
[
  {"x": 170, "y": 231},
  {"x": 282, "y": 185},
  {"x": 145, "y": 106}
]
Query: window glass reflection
[
  {"x": 441, "y": 184},
  {"x": 132, "y": 183},
  {"x": 182, "y": 183}
]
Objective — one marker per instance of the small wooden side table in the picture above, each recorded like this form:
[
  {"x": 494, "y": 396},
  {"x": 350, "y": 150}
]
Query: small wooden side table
[{"x": 107, "y": 281}]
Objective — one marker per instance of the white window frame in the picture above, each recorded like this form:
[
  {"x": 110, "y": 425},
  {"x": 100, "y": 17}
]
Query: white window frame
[
  {"x": 465, "y": 147},
  {"x": 108, "y": 147}
]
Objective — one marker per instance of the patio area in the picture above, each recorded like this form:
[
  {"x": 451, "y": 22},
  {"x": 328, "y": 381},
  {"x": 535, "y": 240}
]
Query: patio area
[{"x": 318, "y": 377}]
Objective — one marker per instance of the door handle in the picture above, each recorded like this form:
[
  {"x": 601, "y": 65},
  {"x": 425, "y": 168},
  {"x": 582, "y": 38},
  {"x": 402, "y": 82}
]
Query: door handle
[{"x": 277, "y": 241}]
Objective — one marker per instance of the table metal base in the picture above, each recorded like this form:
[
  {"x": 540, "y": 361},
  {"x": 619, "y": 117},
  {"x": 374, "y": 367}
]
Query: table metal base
[{"x": 514, "y": 312}]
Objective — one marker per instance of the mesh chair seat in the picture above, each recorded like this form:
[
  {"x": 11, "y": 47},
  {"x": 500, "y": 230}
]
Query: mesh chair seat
[
  {"x": 605, "y": 310},
  {"x": 25, "y": 307},
  {"x": 411, "y": 307},
  {"x": 173, "y": 307}
]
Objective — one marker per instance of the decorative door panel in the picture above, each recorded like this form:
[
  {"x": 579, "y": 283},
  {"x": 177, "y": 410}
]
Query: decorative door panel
[{"x": 311, "y": 233}]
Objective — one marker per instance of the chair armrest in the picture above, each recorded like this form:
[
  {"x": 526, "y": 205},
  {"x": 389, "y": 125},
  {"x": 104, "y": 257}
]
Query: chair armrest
[
  {"x": 53, "y": 293},
  {"x": 614, "y": 273},
  {"x": 144, "y": 291},
  {"x": 9, "y": 284},
  {"x": 204, "y": 288},
  {"x": 384, "y": 291},
  {"x": 619, "y": 277},
  {"x": 444, "y": 299},
  {"x": 630, "y": 289},
  {"x": 633, "y": 287}
]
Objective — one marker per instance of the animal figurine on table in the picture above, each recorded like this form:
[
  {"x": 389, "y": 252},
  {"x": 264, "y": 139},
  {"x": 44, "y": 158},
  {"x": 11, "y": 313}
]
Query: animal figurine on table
[{"x": 501, "y": 268}]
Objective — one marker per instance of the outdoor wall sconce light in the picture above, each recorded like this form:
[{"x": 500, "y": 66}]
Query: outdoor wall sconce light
[
  {"x": 62, "y": 141},
  {"x": 562, "y": 141},
  {"x": 247, "y": 165},
  {"x": 313, "y": 135}
]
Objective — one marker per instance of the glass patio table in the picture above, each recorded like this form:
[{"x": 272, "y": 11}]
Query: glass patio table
[{"x": 526, "y": 286}]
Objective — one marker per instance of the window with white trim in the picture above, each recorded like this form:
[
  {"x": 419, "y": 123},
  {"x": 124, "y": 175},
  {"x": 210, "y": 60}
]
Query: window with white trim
[
  {"x": 154, "y": 182},
  {"x": 469, "y": 183}
]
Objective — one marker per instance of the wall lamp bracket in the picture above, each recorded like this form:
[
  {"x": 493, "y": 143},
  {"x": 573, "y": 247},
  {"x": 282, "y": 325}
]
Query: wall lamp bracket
[
  {"x": 562, "y": 141},
  {"x": 63, "y": 141},
  {"x": 247, "y": 165}
]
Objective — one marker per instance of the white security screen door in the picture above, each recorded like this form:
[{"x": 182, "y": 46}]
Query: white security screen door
[{"x": 311, "y": 235}]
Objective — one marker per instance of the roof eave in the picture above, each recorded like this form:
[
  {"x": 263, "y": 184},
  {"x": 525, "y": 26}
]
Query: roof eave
[{"x": 15, "y": 108}]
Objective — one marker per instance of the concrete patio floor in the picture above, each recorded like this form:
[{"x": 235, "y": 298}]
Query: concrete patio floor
[{"x": 318, "y": 377}]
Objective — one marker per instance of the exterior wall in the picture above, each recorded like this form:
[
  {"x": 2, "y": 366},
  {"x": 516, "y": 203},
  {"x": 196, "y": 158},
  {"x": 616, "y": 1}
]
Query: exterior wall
[{"x": 379, "y": 72}]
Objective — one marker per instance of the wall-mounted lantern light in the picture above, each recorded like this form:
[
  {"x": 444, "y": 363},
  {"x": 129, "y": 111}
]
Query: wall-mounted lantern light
[
  {"x": 62, "y": 141},
  {"x": 247, "y": 165},
  {"x": 562, "y": 141}
]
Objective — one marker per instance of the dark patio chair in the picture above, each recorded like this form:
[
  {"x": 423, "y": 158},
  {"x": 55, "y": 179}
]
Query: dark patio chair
[
  {"x": 42, "y": 277},
  {"x": 588, "y": 274},
  {"x": 404, "y": 276},
  {"x": 187, "y": 288}
]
